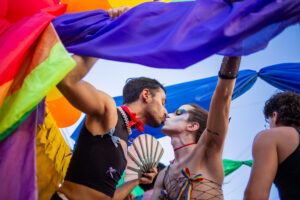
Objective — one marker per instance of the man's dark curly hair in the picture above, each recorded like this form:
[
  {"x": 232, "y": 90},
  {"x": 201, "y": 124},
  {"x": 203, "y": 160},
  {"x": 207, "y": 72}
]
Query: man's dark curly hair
[{"x": 287, "y": 105}]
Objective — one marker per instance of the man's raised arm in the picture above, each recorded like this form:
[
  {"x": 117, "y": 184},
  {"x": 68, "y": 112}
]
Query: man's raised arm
[
  {"x": 79, "y": 93},
  {"x": 218, "y": 116}
]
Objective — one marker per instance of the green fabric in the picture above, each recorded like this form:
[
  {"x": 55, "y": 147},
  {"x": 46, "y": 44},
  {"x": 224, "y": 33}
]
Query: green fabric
[
  {"x": 232, "y": 165},
  {"x": 248, "y": 163},
  {"x": 229, "y": 167},
  {"x": 16, "y": 107},
  {"x": 138, "y": 191},
  {"x": 13, "y": 127}
]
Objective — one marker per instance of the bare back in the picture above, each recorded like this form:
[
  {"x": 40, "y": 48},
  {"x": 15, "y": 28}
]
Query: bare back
[{"x": 271, "y": 148}]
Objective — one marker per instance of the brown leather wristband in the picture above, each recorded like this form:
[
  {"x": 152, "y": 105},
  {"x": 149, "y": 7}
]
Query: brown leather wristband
[
  {"x": 222, "y": 76},
  {"x": 230, "y": 67}
]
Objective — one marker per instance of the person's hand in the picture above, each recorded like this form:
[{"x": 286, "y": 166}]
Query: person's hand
[
  {"x": 130, "y": 197},
  {"x": 147, "y": 178},
  {"x": 116, "y": 12}
]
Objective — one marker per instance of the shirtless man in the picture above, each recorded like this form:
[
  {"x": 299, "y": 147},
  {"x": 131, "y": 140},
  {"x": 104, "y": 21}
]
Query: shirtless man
[
  {"x": 198, "y": 139},
  {"x": 276, "y": 151}
]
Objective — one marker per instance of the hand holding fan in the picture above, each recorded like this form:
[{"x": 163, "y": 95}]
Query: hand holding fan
[{"x": 143, "y": 155}]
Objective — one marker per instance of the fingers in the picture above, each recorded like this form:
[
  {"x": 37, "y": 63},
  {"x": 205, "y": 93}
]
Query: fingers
[
  {"x": 116, "y": 12},
  {"x": 121, "y": 10},
  {"x": 148, "y": 177},
  {"x": 153, "y": 170},
  {"x": 126, "y": 8},
  {"x": 152, "y": 173},
  {"x": 113, "y": 12},
  {"x": 145, "y": 180},
  {"x": 132, "y": 197},
  {"x": 109, "y": 12}
]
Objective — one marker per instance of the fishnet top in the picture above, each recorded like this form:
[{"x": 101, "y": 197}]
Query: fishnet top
[{"x": 204, "y": 189}]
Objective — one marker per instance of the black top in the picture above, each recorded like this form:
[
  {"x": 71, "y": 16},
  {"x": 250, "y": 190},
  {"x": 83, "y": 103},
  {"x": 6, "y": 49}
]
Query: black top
[
  {"x": 99, "y": 161},
  {"x": 287, "y": 178}
]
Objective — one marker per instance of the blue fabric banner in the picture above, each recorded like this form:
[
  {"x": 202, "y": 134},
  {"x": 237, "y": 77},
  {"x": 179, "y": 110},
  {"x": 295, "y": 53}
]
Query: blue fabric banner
[
  {"x": 285, "y": 76},
  {"x": 177, "y": 34},
  {"x": 198, "y": 91}
]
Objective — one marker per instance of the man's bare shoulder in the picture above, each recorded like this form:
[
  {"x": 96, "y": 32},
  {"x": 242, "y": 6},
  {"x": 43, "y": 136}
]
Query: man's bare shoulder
[
  {"x": 275, "y": 132},
  {"x": 273, "y": 136}
]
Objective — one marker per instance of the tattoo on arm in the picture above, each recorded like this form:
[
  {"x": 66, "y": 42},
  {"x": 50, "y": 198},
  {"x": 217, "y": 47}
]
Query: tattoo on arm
[{"x": 215, "y": 133}]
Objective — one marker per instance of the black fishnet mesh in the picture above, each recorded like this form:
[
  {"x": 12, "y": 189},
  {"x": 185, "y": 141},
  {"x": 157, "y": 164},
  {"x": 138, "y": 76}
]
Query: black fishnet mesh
[{"x": 204, "y": 189}]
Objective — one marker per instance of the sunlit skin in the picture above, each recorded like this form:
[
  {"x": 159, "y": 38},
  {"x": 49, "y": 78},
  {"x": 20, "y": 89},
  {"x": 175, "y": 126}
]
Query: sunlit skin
[
  {"x": 205, "y": 156},
  {"x": 176, "y": 122},
  {"x": 270, "y": 148},
  {"x": 156, "y": 112}
]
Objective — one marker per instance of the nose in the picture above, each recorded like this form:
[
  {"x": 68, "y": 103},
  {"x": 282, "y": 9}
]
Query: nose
[{"x": 165, "y": 113}]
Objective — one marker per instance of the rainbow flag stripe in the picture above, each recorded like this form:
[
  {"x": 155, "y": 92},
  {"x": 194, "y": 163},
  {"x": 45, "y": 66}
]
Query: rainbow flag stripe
[
  {"x": 46, "y": 62},
  {"x": 165, "y": 195},
  {"x": 187, "y": 186},
  {"x": 32, "y": 58}
]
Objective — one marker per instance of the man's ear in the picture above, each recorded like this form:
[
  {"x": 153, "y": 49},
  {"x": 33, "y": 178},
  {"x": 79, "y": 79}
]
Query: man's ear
[
  {"x": 146, "y": 95},
  {"x": 275, "y": 117},
  {"x": 193, "y": 126}
]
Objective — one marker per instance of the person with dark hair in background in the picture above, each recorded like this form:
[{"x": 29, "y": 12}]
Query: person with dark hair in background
[
  {"x": 197, "y": 137},
  {"x": 276, "y": 151},
  {"x": 100, "y": 155}
]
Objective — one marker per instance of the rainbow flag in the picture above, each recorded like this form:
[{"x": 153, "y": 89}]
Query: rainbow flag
[{"x": 32, "y": 58}]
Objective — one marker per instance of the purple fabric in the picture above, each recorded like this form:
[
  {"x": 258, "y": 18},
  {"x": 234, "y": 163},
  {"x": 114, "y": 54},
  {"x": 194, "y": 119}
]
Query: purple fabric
[
  {"x": 17, "y": 162},
  {"x": 41, "y": 112},
  {"x": 178, "y": 34}
]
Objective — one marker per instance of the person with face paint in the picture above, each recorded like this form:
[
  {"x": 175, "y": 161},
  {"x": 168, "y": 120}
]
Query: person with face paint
[{"x": 197, "y": 137}]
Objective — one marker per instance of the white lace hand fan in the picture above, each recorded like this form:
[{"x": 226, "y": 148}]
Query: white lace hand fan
[{"x": 143, "y": 155}]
